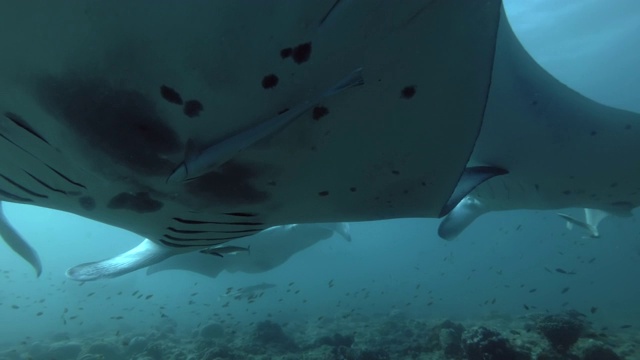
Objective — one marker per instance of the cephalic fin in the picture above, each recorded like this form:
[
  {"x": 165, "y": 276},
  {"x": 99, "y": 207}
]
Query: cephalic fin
[
  {"x": 460, "y": 217},
  {"x": 470, "y": 179},
  {"x": 18, "y": 244},
  {"x": 145, "y": 254}
]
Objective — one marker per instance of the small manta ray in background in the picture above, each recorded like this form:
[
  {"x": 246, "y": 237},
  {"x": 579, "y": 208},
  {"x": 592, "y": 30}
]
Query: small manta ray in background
[
  {"x": 249, "y": 292},
  {"x": 269, "y": 249}
]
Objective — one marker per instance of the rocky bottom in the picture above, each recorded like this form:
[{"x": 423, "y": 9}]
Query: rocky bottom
[{"x": 562, "y": 336}]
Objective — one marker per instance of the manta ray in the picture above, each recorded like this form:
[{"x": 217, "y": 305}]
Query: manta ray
[
  {"x": 192, "y": 124},
  {"x": 561, "y": 149},
  {"x": 268, "y": 250}
]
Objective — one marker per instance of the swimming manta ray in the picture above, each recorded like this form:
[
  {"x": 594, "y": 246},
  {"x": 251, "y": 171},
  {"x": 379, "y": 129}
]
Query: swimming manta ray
[
  {"x": 268, "y": 249},
  {"x": 561, "y": 149},
  {"x": 192, "y": 124}
]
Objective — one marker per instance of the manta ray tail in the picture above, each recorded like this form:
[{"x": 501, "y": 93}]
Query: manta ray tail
[
  {"x": 18, "y": 244},
  {"x": 143, "y": 255},
  {"x": 460, "y": 217}
]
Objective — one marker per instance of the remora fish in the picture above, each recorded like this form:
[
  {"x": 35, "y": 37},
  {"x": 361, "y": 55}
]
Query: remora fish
[
  {"x": 220, "y": 250},
  {"x": 199, "y": 163}
]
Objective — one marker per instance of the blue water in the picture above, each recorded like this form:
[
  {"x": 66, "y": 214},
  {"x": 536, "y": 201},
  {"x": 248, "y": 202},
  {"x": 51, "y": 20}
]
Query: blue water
[{"x": 390, "y": 267}]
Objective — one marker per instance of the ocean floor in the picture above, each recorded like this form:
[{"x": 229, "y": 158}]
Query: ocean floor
[{"x": 566, "y": 335}]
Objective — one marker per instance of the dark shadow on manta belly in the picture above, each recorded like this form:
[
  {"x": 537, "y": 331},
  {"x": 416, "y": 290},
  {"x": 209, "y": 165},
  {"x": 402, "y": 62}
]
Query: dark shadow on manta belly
[
  {"x": 125, "y": 126},
  {"x": 121, "y": 123}
]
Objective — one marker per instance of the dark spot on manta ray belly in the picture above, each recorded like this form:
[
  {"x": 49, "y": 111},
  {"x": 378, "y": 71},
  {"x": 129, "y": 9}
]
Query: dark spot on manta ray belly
[
  {"x": 270, "y": 81},
  {"x": 170, "y": 95},
  {"x": 231, "y": 184},
  {"x": 301, "y": 53},
  {"x": 408, "y": 92},
  {"x": 286, "y": 52},
  {"x": 87, "y": 202},
  {"x": 319, "y": 112},
  {"x": 192, "y": 108},
  {"x": 139, "y": 202},
  {"x": 120, "y": 123}
]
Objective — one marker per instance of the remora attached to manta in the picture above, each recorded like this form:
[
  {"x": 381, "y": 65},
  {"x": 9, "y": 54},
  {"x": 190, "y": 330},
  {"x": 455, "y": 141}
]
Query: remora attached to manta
[{"x": 99, "y": 101}]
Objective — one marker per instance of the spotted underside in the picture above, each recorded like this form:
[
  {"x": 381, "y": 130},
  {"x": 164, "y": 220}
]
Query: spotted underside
[{"x": 99, "y": 101}]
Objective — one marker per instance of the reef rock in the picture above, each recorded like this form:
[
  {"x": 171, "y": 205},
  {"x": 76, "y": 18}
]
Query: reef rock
[
  {"x": 212, "y": 331},
  {"x": 481, "y": 343},
  {"x": 561, "y": 330}
]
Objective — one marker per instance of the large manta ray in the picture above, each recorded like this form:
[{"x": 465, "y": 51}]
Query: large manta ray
[
  {"x": 100, "y": 102},
  {"x": 561, "y": 149}
]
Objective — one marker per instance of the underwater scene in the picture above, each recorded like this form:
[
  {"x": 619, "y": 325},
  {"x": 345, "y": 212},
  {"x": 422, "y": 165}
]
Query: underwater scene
[{"x": 536, "y": 260}]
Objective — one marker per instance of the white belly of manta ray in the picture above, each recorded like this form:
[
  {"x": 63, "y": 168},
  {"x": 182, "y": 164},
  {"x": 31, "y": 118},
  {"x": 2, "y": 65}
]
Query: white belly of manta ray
[{"x": 103, "y": 133}]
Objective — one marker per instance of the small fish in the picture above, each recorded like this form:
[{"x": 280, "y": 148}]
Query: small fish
[
  {"x": 39, "y": 313},
  {"x": 198, "y": 163},
  {"x": 533, "y": 290},
  {"x": 593, "y": 309},
  {"x": 148, "y": 297},
  {"x": 561, "y": 271},
  {"x": 564, "y": 291},
  {"x": 15, "y": 307},
  {"x": 90, "y": 294},
  {"x": 591, "y": 260},
  {"x": 626, "y": 326},
  {"x": 525, "y": 306}
]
